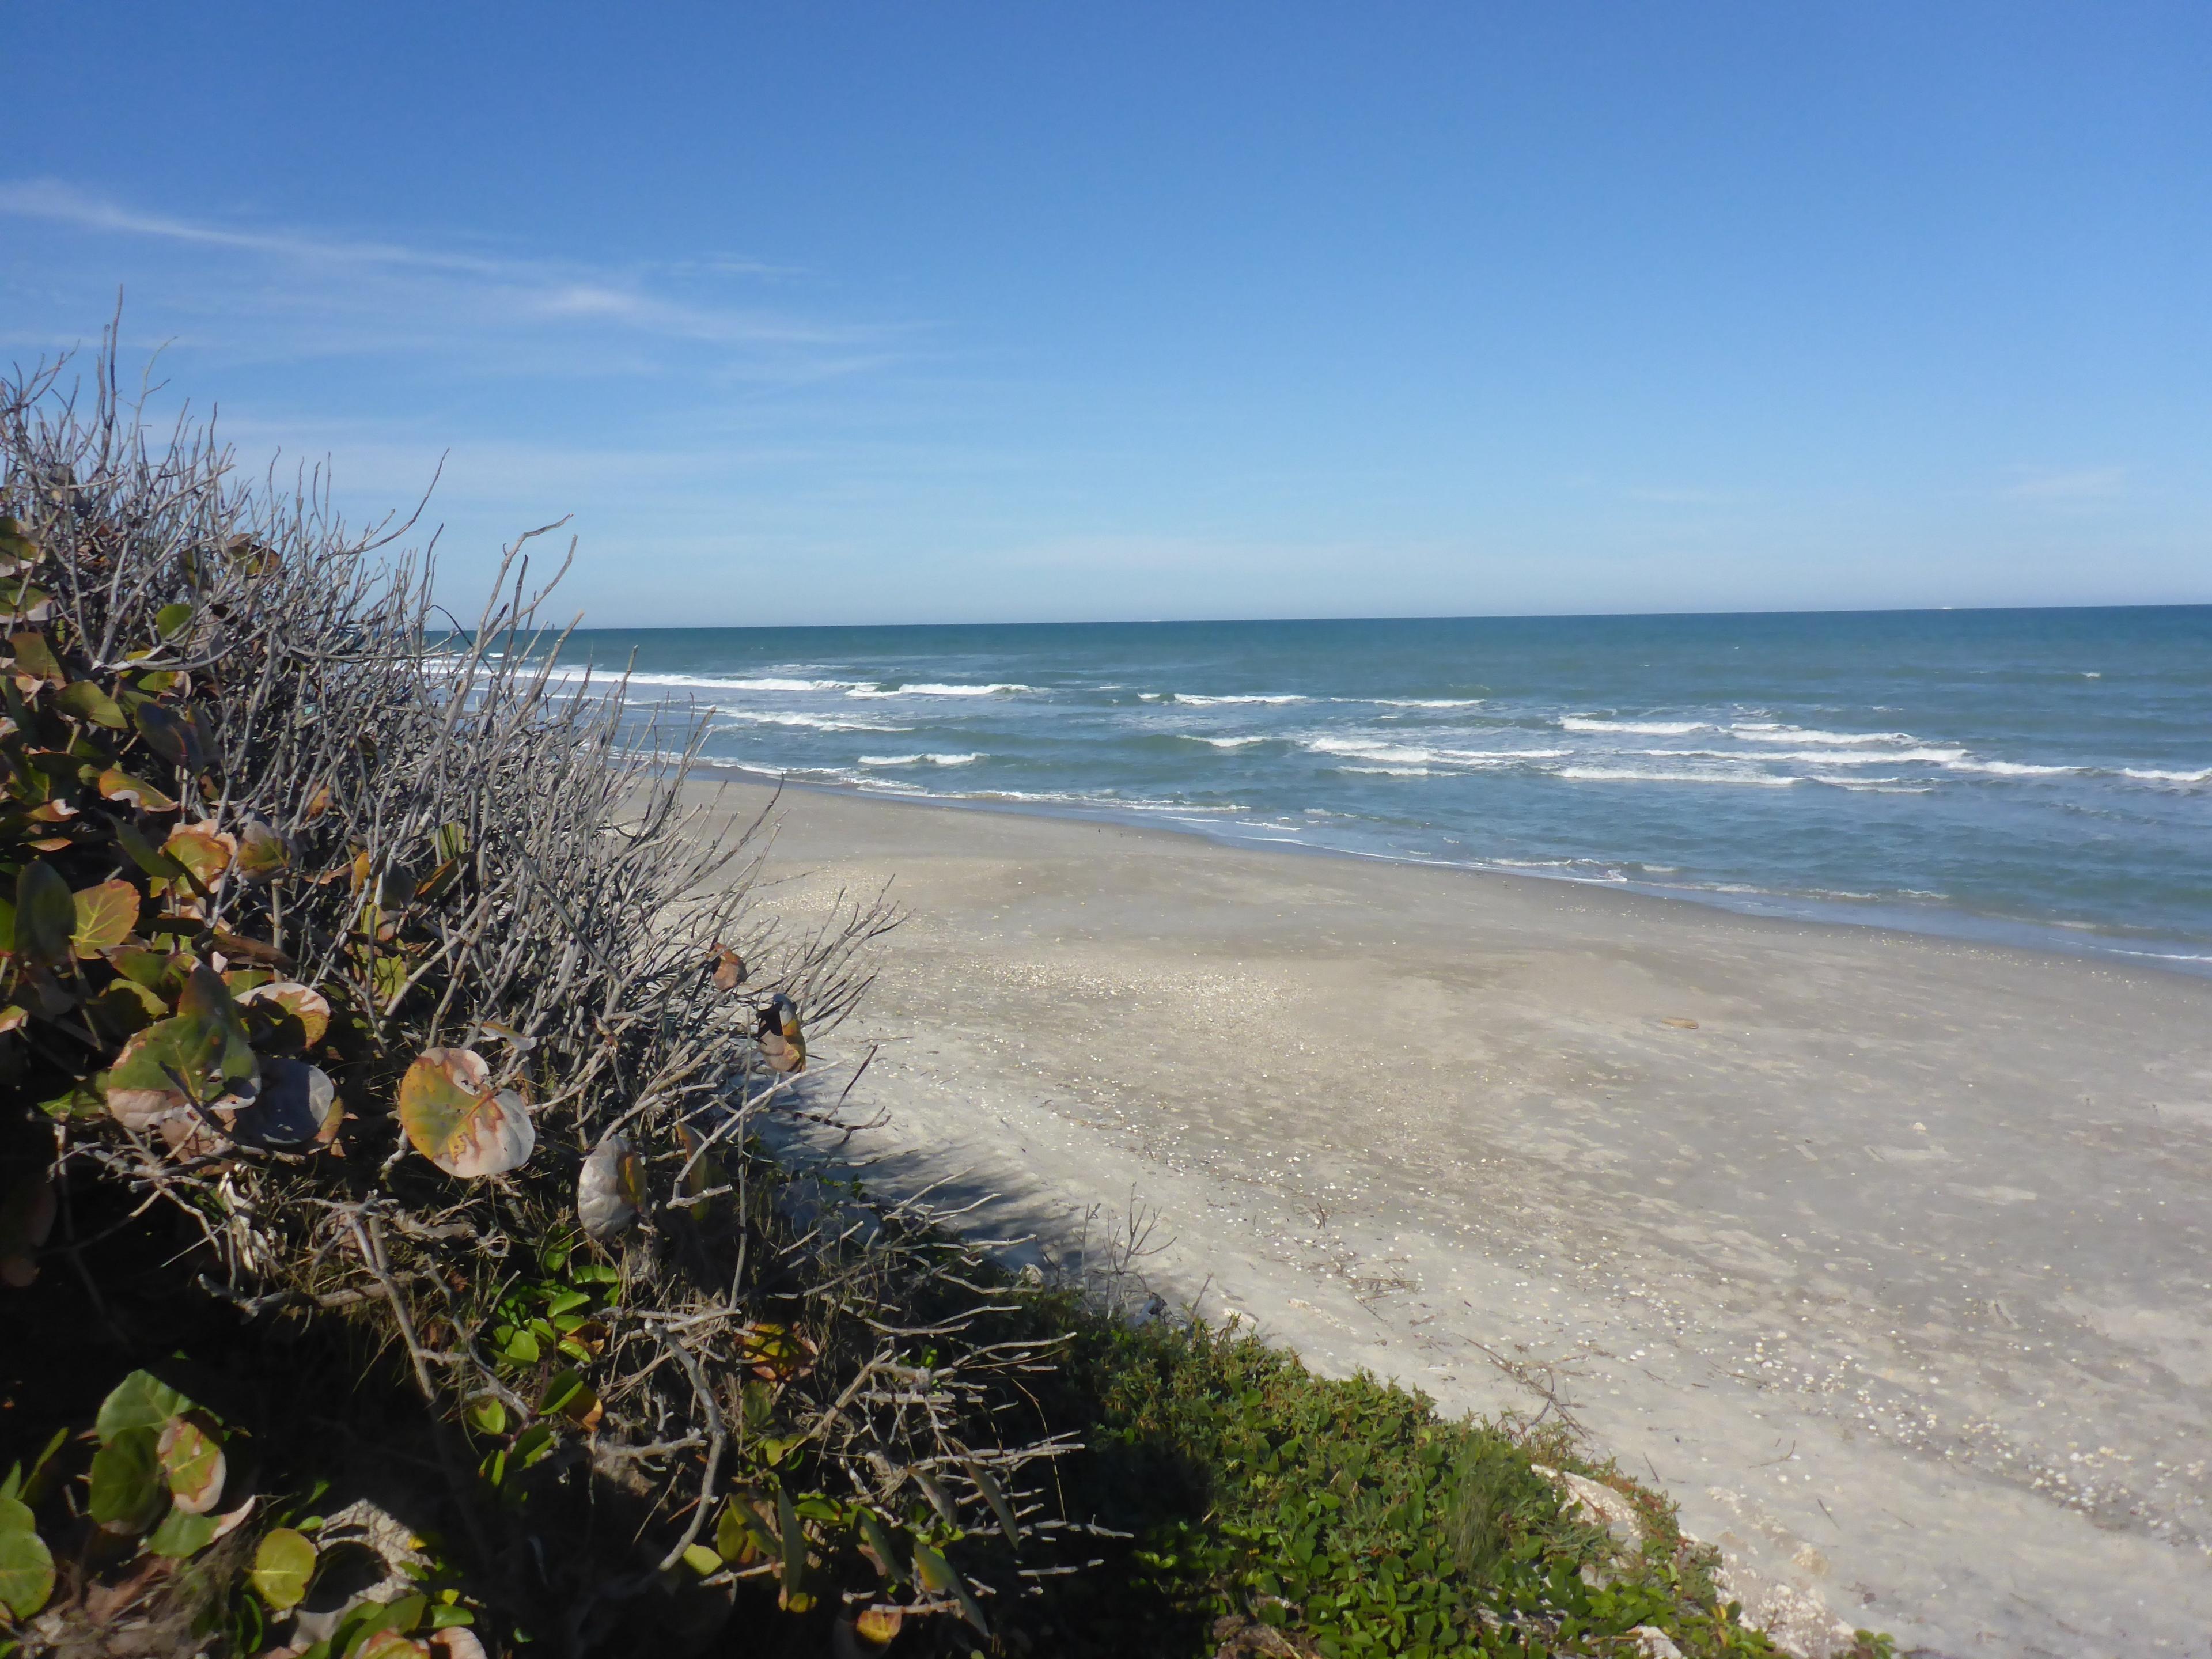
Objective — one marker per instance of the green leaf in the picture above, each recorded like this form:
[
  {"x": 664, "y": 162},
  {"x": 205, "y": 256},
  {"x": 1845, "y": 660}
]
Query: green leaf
[
  {"x": 170, "y": 737},
  {"x": 201, "y": 1054},
  {"x": 105, "y": 915},
  {"x": 27, "y": 1565},
  {"x": 182, "y": 1533},
  {"x": 794, "y": 1544},
  {"x": 146, "y": 855},
  {"x": 702, "y": 1561},
  {"x": 455, "y": 1117},
  {"x": 86, "y": 701},
  {"x": 140, "y": 1400},
  {"x": 282, "y": 1564},
  {"x": 488, "y": 1415},
  {"x": 127, "y": 1492},
  {"x": 46, "y": 913},
  {"x": 169, "y": 621},
  {"x": 35, "y": 657}
]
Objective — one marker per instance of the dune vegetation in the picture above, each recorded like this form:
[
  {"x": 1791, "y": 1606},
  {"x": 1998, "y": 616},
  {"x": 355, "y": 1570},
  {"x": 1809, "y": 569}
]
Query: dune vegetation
[{"x": 392, "y": 1260}]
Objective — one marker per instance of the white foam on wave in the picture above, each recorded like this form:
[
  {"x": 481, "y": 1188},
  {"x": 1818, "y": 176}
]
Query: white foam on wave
[
  {"x": 1638, "y": 775},
  {"x": 2151, "y": 774},
  {"x": 1198, "y": 702},
  {"x": 934, "y": 690},
  {"x": 920, "y": 760},
  {"x": 1634, "y": 728},
  {"x": 608, "y": 675},
  {"x": 1369, "y": 748},
  {"x": 1997, "y": 768},
  {"x": 741, "y": 717},
  {"x": 1777, "y": 731},
  {"x": 1221, "y": 743},
  {"x": 1419, "y": 702}
]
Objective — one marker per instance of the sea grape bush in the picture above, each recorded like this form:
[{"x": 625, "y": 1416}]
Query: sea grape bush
[{"x": 400, "y": 972}]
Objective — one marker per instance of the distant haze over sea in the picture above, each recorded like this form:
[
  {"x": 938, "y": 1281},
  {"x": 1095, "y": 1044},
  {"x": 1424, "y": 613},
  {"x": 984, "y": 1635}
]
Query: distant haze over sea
[{"x": 2036, "y": 777}]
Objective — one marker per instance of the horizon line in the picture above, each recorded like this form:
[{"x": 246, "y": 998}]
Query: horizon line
[{"x": 583, "y": 626}]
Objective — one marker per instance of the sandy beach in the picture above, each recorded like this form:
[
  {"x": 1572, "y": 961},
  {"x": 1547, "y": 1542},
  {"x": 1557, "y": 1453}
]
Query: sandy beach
[{"x": 1885, "y": 1256}]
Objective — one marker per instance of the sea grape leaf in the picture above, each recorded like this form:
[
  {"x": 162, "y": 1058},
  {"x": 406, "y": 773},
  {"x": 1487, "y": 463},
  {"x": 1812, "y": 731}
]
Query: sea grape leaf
[
  {"x": 878, "y": 1627},
  {"x": 262, "y": 853},
  {"x": 170, "y": 620},
  {"x": 127, "y": 1494},
  {"x": 729, "y": 968},
  {"x": 104, "y": 916},
  {"x": 201, "y": 1055},
  {"x": 116, "y": 784},
  {"x": 609, "y": 1188},
  {"x": 182, "y": 1533},
  {"x": 86, "y": 701},
  {"x": 191, "y": 1462},
  {"x": 782, "y": 1040},
  {"x": 125, "y": 1007},
  {"x": 170, "y": 735},
  {"x": 35, "y": 658},
  {"x": 27, "y": 1565},
  {"x": 46, "y": 913},
  {"x": 284, "y": 1562},
  {"x": 204, "y": 851},
  {"x": 140, "y": 1400},
  {"x": 455, "y": 1117},
  {"x": 146, "y": 855},
  {"x": 294, "y": 1105}
]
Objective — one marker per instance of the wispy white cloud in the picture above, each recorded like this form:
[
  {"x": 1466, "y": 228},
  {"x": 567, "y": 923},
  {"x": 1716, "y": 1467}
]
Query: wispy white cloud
[
  {"x": 2087, "y": 484},
  {"x": 271, "y": 290}
]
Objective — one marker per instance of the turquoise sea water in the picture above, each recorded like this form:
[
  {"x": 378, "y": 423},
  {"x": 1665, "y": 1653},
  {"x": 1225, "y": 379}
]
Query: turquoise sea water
[{"x": 2040, "y": 777}]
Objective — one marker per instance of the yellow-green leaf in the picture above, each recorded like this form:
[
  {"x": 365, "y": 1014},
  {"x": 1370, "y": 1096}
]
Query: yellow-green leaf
[
  {"x": 104, "y": 916},
  {"x": 262, "y": 853},
  {"x": 27, "y": 1565},
  {"x": 282, "y": 1564},
  {"x": 203, "y": 850},
  {"x": 702, "y": 1561},
  {"x": 454, "y": 1117},
  {"x": 86, "y": 701}
]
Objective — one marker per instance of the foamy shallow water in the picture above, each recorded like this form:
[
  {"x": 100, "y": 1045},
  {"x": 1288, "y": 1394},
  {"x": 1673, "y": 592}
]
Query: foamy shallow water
[{"x": 2043, "y": 777}]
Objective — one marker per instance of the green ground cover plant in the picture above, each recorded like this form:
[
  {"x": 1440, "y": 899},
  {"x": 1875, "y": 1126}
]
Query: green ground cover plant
[{"x": 394, "y": 1261}]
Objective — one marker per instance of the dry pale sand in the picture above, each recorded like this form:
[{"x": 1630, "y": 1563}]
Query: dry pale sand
[{"x": 1892, "y": 1269}]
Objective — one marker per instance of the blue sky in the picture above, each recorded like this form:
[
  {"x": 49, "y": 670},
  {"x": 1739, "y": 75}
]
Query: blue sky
[{"x": 876, "y": 313}]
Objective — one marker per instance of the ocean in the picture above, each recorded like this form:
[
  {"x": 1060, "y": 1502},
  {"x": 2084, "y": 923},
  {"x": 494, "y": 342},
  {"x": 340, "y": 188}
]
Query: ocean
[{"x": 2030, "y": 777}]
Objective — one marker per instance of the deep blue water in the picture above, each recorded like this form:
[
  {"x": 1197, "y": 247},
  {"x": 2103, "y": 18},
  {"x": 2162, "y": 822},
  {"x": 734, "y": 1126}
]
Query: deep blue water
[{"x": 2043, "y": 777}]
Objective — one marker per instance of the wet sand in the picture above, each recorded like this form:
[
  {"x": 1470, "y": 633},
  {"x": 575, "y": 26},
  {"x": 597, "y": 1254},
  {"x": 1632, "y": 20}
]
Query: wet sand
[{"x": 1890, "y": 1258}]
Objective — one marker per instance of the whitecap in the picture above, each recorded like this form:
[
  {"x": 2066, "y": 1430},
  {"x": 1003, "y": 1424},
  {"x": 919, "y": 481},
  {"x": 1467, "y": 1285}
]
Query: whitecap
[
  {"x": 2151, "y": 774},
  {"x": 1999, "y": 768},
  {"x": 919, "y": 760},
  {"x": 1419, "y": 702},
  {"x": 1195, "y": 700},
  {"x": 1776, "y": 731},
  {"x": 740, "y": 717},
  {"x": 1636, "y": 728},
  {"x": 1624, "y": 774},
  {"x": 1222, "y": 743},
  {"x": 933, "y": 691}
]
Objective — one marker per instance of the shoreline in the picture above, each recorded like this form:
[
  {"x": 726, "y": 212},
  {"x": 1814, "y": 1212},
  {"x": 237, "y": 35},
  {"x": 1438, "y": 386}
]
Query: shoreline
[
  {"x": 2057, "y": 940},
  {"x": 1857, "y": 1243}
]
